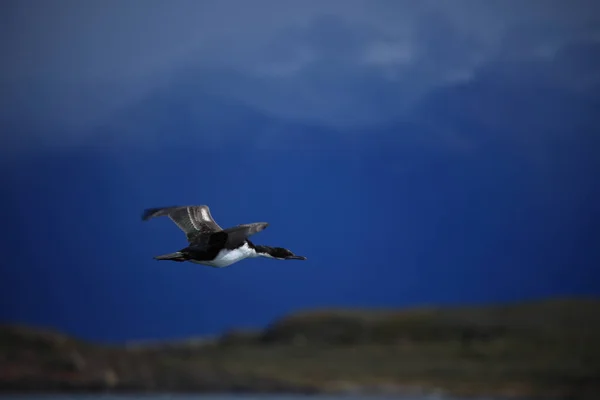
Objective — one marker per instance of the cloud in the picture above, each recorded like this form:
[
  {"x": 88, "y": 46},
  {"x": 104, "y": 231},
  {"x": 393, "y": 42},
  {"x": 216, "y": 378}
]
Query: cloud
[{"x": 70, "y": 67}]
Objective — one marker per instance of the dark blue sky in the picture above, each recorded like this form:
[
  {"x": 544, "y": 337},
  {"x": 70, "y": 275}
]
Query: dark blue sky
[{"x": 415, "y": 154}]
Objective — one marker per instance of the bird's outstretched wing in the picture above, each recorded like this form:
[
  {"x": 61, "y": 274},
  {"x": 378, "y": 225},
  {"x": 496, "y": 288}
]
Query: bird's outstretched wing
[
  {"x": 237, "y": 234},
  {"x": 229, "y": 238},
  {"x": 194, "y": 221}
]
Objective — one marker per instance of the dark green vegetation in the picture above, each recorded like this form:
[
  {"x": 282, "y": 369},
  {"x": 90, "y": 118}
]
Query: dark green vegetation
[{"x": 545, "y": 348}]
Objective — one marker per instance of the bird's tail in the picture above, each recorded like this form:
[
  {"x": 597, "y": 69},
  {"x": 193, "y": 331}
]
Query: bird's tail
[{"x": 177, "y": 256}]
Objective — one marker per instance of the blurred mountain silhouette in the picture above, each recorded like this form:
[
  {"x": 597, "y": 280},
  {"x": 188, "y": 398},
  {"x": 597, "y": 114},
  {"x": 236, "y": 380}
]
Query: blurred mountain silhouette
[{"x": 541, "y": 348}]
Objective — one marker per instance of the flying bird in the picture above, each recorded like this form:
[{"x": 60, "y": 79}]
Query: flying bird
[{"x": 211, "y": 245}]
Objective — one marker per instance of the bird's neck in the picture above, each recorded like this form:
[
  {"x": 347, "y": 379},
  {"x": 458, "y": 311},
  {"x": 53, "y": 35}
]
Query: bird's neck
[{"x": 263, "y": 251}]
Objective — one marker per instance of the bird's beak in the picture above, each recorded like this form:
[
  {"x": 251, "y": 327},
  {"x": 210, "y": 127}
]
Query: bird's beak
[{"x": 295, "y": 258}]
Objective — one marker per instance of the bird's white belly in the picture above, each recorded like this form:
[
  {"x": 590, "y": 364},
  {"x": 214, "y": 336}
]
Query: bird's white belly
[{"x": 227, "y": 257}]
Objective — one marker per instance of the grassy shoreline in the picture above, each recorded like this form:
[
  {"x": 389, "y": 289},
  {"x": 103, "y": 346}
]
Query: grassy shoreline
[{"x": 533, "y": 349}]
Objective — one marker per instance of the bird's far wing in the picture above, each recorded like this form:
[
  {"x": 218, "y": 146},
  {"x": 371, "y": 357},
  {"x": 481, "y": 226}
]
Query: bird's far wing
[
  {"x": 195, "y": 221},
  {"x": 237, "y": 234}
]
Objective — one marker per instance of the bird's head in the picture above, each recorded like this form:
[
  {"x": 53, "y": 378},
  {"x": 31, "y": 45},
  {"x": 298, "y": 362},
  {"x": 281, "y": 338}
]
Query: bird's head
[{"x": 277, "y": 252}]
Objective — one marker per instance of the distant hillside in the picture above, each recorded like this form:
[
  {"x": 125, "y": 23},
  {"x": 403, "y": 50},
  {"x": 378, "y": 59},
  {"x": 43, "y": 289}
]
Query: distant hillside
[{"x": 544, "y": 348}]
